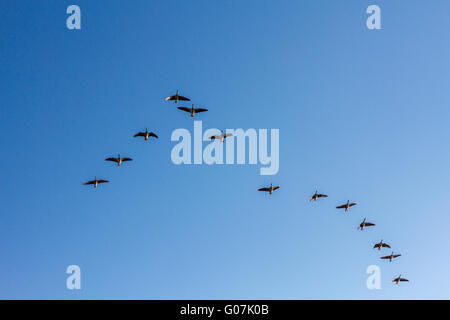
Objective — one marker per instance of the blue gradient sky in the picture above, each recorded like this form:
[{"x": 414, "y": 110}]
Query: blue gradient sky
[{"x": 363, "y": 115}]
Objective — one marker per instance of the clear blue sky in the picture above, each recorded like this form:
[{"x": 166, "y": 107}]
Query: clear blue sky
[{"x": 363, "y": 115}]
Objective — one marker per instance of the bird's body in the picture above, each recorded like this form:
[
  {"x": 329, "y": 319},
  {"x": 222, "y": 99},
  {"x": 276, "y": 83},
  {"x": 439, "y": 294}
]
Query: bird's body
[
  {"x": 380, "y": 245},
  {"x": 391, "y": 256},
  {"x": 399, "y": 279},
  {"x": 364, "y": 224},
  {"x": 193, "y": 110},
  {"x": 316, "y": 196},
  {"x": 270, "y": 189},
  {"x": 95, "y": 182},
  {"x": 176, "y": 97},
  {"x": 347, "y": 205},
  {"x": 221, "y": 136},
  {"x": 118, "y": 160},
  {"x": 146, "y": 134}
]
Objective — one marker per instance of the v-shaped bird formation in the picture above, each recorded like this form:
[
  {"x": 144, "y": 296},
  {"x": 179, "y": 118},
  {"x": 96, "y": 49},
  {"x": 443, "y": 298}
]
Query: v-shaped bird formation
[{"x": 270, "y": 189}]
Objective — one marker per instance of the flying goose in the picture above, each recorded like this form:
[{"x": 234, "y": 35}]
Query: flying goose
[
  {"x": 347, "y": 205},
  {"x": 364, "y": 224},
  {"x": 270, "y": 189},
  {"x": 398, "y": 279},
  {"x": 380, "y": 245},
  {"x": 221, "y": 136},
  {"x": 118, "y": 160},
  {"x": 177, "y": 98},
  {"x": 391, "y": 256},
  {"x": 95, "y": 182},
  {"x": 146, "y": 134},
  {"x": 316, "y": 196},
  {"x": 192, "y": 110}
]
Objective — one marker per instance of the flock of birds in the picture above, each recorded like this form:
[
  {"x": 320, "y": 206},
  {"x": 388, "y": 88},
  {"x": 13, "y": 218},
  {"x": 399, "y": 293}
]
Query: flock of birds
[
  {"x": 147, "y": 134},
  {"x": 346, "y": 206},
  {"x": 192, "y": 111}
]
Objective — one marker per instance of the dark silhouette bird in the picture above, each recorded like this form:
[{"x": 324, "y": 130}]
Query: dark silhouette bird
[
  {"x": 380, "y": 245},
  {"x": 391, "y": 256},
  {"x": 146, "y": 134},
  {"x": 347, "y": 205},
  {"x": 316, "y": 196},
  {"x": 270, "y": 189},
  {"x": 95, "y": 182},
  {"x": 364, "y": 224},
  {"x": 192, "y": 110},
  {"x": 118, "y": 160},
  {"x": 399, "y": 279},
  {"x": 221, "y": 136},
  {"x": 177, "y": 98}
]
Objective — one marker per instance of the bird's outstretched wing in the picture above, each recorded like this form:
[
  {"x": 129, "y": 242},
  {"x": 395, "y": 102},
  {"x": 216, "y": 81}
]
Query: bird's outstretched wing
[
  {"x": 197, "y": 110},
  {"x": 376, "y": 246},
  {"x": 385, "y": 245},
  {"x": 396, "y": 255},
  {"x": 102, "y": 181},
  {"x": 127, "y": 159},
  {"x": 184, "y": 109},
  {"x": 227, "y": 135},
  {"x": 322, "y": 196},
  {"x": 139, "y": 134},
  {"x": 264, "y": 189},
  {"x": 369, "y": 224},
  {"x": 181, "y": 98},
  {"x": 341, "y": 207},
  {"x": 403, "y": 279},
  {"x": 276, "y": 187},
  {"x": 89, "y": 182},
  {"x": 352, "y": 204},
  {"x": 170, "y": 98},
  {"x": 151, "y": 134},
  {"x": 385, "y": 257},
  {"x": 112, "y": 159}
]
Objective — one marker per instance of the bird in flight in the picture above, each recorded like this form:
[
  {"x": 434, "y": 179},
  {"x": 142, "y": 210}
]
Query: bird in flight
[
  {"x": 316, "y": 196},
  {"x": 221, "y": 136},
  {"x": 380, "y": 245},
  {"x": 270, "y": 189},
  {"x": 399, "y": 279},
  {"x": 391, "y": 256},
  {"x": 95, "y": 182},
  {"x": 118, "y": 160},
  {"x": 192, "y": 110},
  {"x": 146, "y": 134},
  {"x": 364, "y": 224},
  {"x": 347, "y": 205},
  {"x": 177, "y": 98}
]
